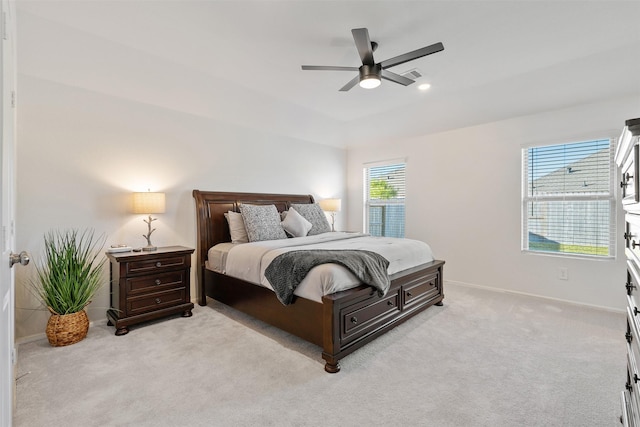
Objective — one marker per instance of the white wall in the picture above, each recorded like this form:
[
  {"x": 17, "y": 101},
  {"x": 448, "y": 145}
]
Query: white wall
[
  {"x": 463, "y": 198},
  {"x": 81, "y": 154}
]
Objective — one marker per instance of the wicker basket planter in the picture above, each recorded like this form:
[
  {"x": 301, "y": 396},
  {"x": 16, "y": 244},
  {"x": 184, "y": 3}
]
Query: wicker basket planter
[
  {"x": 67, "y": 329},
  {"x": 67, "y": 277}
]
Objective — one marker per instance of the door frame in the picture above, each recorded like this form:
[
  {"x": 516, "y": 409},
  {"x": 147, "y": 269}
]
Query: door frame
[{"x": 7, "y": 211}]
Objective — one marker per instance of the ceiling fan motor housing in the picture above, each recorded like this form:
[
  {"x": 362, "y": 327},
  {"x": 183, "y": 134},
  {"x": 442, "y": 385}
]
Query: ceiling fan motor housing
[{"x": 370, "y": 72}]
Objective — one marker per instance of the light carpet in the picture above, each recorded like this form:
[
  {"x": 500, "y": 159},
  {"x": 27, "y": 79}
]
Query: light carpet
[{"x": 485, "y": 358}]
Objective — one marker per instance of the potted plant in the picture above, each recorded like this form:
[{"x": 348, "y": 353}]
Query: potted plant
[{"x": 67, "y": 278}]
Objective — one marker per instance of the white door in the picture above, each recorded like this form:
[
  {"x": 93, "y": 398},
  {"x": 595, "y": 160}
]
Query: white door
[{"x": 7, "y": 186}]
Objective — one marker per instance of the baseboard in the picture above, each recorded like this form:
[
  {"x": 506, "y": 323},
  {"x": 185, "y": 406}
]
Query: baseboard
[
  {"x": 509, "y": 291},
  {"x": 43, "y": 335}
]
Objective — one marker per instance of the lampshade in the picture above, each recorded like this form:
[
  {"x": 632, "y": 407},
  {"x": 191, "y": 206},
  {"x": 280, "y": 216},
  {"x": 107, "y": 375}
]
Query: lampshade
[
  {"x": 148, "y": 203},
  {"x": 330, "y": 205}
]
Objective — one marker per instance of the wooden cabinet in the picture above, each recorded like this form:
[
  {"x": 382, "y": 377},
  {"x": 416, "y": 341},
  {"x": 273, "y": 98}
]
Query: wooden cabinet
[
  {"x": 629, "y": 181},
  {"x": 627, "y": 161},
  {"x": 149, "y": 285}
]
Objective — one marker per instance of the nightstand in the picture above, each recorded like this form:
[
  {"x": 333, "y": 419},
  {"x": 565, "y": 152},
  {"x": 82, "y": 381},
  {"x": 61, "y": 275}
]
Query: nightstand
[{"x": 149, "y": 285}]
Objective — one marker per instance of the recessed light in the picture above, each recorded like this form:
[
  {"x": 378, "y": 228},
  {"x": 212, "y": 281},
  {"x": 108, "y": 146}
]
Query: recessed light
[{"x": 424, "y": 86}]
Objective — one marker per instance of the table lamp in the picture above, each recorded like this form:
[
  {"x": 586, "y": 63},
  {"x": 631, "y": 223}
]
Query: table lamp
[
  {"x": 148, "y": 203},
  {"x": 332, "y": 206}
]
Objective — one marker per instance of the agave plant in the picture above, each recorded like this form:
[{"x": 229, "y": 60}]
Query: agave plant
[{"x": 70, "y": 273}]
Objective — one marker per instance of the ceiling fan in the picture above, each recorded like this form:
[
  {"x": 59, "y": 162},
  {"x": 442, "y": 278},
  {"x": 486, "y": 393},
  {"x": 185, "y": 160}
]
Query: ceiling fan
[{"x": 370, "y": 72}]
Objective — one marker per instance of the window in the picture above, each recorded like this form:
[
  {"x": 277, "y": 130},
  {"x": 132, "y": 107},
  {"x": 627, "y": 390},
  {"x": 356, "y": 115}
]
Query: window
[
  {"x": 384, "y": 193},
  {"x": 568, "y": 202}
]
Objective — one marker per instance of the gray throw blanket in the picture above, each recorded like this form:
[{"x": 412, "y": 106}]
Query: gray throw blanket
[{"x": 286, "y": 271}]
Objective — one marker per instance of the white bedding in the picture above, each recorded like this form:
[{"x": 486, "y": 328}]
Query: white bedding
[{"x": 248, "y": 261}]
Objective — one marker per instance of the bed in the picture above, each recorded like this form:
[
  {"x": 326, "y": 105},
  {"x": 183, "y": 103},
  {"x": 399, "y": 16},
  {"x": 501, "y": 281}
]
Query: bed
[{"x": 341, "y": 322}]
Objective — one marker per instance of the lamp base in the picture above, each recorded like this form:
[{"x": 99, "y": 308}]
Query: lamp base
[{"x": 149, "y": 247}]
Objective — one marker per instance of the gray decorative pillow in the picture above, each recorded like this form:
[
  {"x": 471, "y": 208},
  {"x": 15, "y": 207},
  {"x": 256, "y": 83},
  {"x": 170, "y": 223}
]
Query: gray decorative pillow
[
  {"x": 262, "y": 222},
  {"x": 315, "y": 215},
  {"x": 295, "y": 224}
]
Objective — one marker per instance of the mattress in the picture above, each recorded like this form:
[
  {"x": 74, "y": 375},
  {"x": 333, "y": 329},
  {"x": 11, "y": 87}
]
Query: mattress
[{"x": 248, "y": 261}]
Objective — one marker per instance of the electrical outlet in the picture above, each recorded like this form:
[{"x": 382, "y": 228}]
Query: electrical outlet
[{"x": 563, "y": 273}]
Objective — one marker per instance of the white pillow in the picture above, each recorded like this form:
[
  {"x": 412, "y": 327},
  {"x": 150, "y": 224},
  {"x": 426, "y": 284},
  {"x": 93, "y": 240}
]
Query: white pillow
[
  {"x": 295, "y": 224},
  {"x": 236, "y": 227}
]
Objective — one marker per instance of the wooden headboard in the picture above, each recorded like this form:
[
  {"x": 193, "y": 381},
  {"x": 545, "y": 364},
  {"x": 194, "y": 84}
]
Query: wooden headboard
[{"x": 211, "y": 224}]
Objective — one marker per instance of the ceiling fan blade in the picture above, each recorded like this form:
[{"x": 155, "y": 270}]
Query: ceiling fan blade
[
  {"x": 363, "y": 43},
  {"x": 351, "y": 84},
  {"x": 397, "y": 78},
  {"x": 410, "y": 56},
  {"x": 329, "y": 68}
]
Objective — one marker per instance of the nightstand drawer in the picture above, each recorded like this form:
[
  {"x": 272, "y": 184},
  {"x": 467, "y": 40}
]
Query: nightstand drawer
[
  {"x": 156, "y": 282},
  {"x": 155, "y": 301},
  {"x": 145, "y": 266}
]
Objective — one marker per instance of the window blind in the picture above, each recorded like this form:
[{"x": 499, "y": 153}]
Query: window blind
[
  {"x": 568, "y": 201},
  {"x": 384, "y": 187}
]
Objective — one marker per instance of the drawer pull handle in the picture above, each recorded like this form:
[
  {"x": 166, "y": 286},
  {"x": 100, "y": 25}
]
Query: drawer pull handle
[
  {"x": 158, "y": 281},
  {"x": 634, "y": 244},
  {"x": 629, "y": 337},
  {"x": 390, "y": 303},
  {"x": 635, "y": 311},
  {"x": 628, "y": 386},
  {"x": 627, "y": 176},
  {"x": 627, "y": 236},
  {"x": 158, "y": 300},
  {"x": 630, "y": 286},
  {"x": 354, "y": 320},
  {"x": 409, "y": 294},
  {"x": 635, "y": 378},
  {"x": 623, "y": 184},
  {"x": 158, "y": 264}
]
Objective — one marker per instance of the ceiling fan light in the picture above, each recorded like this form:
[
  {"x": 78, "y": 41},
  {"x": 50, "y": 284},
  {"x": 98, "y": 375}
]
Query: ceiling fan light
[
  {"x": 370, "y": 82},
  {"x": 370, "y": 76}
]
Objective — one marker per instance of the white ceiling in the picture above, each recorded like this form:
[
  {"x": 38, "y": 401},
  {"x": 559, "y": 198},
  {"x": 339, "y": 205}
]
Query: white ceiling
[{"x": 501, "y": 59}]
